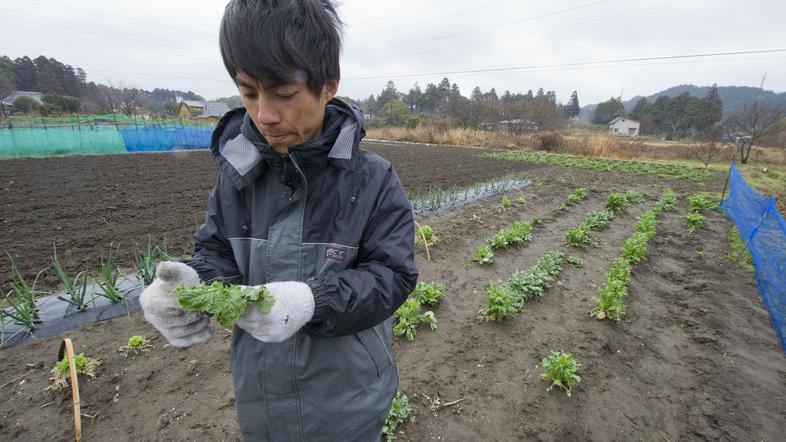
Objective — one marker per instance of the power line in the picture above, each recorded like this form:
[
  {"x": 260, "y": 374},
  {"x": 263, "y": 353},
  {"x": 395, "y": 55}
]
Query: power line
[
  {"x": 139, "y": 74},
  {"x": 103, "y": 14},
  {"x": 484, "y": 28},
  {"x": 406, "y": 25},
  {"x": 570, "y": 64},
  {"x": 550, "y": 67},
  {"x": 551, "y": 28},
  {"x": 104, "y": 34},
  {"x": 388, "y": 17}
]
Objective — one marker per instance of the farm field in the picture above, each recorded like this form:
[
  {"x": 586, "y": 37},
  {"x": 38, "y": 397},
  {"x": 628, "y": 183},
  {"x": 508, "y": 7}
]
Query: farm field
[{"x": 693, "y": 358}]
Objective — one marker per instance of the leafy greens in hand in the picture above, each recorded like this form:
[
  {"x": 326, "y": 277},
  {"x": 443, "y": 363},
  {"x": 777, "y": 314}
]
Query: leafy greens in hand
[{"x": 224, "y": 302}]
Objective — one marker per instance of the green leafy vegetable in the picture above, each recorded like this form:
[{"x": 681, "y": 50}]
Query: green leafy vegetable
[
  {"x": 399, "y": 413},
  {"x": 561, "y": 369},
  {"x": 225, "y": 302}
]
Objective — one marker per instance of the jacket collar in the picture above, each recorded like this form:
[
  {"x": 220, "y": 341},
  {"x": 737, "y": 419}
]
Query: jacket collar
[{"x": 243, "y": 154}]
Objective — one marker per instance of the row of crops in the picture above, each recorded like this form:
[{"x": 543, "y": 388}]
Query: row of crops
[{"x": 504, "y": 300}]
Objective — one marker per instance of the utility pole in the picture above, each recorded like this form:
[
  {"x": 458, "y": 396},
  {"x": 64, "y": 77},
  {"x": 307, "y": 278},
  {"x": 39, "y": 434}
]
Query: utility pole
[{"x": 764, "y": 77}]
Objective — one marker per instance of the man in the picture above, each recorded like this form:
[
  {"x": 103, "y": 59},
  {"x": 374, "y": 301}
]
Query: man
[{"x": 298, "y": 207}]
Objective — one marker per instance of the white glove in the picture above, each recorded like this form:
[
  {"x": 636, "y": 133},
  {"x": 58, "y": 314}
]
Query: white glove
[
  {"x": 179, "y": 327},
  {"x": 292, "y": 309}
]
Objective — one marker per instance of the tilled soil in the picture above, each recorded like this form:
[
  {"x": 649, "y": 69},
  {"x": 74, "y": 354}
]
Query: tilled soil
[{"x": 694, "y": 357}]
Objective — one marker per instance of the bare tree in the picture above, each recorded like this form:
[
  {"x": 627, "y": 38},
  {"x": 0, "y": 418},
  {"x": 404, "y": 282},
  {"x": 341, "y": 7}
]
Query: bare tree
[
  {"x": 746, "y": 128},
  {"x": 711, "y": 149}
]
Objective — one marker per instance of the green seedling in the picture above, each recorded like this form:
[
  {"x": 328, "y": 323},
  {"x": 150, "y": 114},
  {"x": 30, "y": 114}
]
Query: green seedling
[
  {"x": 668, "y": 201},
  {"x": 22, "y": 309},
  {"x": 616, "y": 203},
  {"x": 634, "y": 248},
  {"x": 76, "y": 288},
  {"x": 136, "y": 344},
  {"x": 520, "y": 200},
  {"x": 702, "y": 201},
  {"x": 429, "y": 293},
  {"x": 484, "y": 255},
  {"x": 107, "y": 280},
  {"x": 409, "y": 317},
  {"x": 575, "y": 261},
  {"x": 694, "y": 221},
  {"x": 597, "y": 220},
  {"x": 561, "y": 369},
  {"x": 500, "y": 303},
  {"x": 634, "y": 197},
  {"x": 61, "y": 373},
  {"x": 145, "y": 260},
  {"x": 577, "y": 237},
  {"x": 505, "y": 202},
  {"x": 400, "y": 410}
]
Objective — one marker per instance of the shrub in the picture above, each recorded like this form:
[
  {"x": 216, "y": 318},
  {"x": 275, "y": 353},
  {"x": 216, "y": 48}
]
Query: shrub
[{"x": 548, "y": 141}]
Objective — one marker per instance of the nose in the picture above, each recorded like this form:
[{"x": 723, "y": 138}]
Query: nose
[{"x": 267, "y": 113}]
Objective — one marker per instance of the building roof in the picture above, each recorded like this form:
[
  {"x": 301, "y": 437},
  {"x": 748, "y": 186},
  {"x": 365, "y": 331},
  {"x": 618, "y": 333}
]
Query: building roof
[
  {"x": 622, "y": 118},
  {"x": 37, "y": 96},
  {"x": 192, "y": 103}
]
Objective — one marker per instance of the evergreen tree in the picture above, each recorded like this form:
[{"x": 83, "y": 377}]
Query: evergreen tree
[
  {"x": 573, "y": 108},
  {"x": 641, "y": 108},
  {"x": 608, "y": 110},
  {"x": 477, "y": 94},
  {"x": 26, "y": 74},
  {"x": 713, "y": 108}
]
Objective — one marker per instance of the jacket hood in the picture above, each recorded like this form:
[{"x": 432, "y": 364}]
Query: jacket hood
[{"x": 242, "y": 153}]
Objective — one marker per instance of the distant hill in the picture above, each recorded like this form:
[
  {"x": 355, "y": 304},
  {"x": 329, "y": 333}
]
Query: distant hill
[{"x": 734, "y": 98}]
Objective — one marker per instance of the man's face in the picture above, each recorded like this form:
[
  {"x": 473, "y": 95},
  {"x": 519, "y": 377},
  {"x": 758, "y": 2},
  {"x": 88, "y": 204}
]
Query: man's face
[{"x": 285, "y": 115}]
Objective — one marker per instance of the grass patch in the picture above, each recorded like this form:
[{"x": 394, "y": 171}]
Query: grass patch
[
  {"x": 606, "y": 165},
  {"x": 738, "y": 249}
]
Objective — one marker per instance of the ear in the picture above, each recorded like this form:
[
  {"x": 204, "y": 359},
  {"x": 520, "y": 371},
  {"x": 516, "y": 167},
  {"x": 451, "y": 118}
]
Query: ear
[{"x": 330, "y": 89}]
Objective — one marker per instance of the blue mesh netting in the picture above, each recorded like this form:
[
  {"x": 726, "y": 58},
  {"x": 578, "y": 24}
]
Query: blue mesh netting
[
  {"x": 763, "y": 229},
  {"x": 147, "y": 139},
  {"x": 192, "y": 137}
]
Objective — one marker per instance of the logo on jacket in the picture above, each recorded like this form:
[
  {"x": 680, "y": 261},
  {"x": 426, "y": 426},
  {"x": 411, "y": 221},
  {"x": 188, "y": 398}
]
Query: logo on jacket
[{"x": 337, "y": 254}]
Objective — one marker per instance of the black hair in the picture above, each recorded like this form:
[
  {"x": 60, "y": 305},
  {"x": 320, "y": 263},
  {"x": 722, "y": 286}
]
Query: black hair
[{"x": 275, "y": 41}]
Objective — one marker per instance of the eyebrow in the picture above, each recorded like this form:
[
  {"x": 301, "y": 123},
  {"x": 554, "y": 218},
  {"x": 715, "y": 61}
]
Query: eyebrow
[{"x": 245, "y": 84}]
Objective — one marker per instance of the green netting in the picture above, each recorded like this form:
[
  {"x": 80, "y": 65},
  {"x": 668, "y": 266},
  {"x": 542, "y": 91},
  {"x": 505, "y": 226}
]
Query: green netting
[{"x": 68, "y": 140}]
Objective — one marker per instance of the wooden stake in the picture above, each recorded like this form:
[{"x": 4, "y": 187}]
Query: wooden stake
[{"x": 69, "y": 351}]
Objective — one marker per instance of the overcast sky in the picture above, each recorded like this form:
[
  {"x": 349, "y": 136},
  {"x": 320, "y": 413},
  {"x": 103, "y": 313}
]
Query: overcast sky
[{"x": 173, "y": 43}]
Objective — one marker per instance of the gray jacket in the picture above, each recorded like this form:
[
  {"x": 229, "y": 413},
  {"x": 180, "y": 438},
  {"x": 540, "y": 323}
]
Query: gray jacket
[{"x": 337, "y": 218}]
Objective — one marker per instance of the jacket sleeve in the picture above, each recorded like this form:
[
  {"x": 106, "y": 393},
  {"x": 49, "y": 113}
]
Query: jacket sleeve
[
  {"x": 213, "y": 258},
  {"x": 355, "y": 299}
]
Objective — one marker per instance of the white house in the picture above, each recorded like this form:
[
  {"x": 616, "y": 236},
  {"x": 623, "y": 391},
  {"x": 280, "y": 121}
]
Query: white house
[{"x": 624, "y": 126}]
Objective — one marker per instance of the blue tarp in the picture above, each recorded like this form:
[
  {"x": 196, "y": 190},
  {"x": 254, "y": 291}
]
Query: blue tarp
[{"x": 764, "y": 231}]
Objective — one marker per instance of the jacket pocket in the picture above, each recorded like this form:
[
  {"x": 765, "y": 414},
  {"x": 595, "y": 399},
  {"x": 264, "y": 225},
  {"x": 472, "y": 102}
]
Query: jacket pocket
[{"x": 377, "y": 348}]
